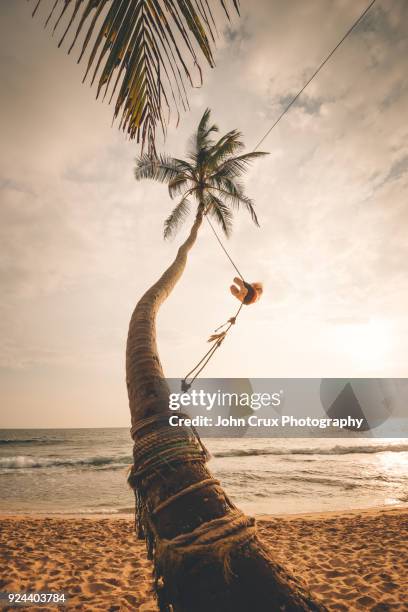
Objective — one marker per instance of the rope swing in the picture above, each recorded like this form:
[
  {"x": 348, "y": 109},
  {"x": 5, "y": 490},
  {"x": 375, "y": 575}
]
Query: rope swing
[{"x": 218, "y": 338}]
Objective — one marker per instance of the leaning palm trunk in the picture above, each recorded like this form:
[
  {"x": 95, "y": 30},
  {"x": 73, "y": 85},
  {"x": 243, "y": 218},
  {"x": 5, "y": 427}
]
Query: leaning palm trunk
[
  {"x": 206, "y": 553},
  {"x": 147, "y": 388}
]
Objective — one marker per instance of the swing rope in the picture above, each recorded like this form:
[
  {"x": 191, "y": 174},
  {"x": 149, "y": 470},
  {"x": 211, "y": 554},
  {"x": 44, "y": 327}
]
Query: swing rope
[
  {"x": 195, "y": 372},
  {"x": 223, "y": 247},
  {"x": 217, "y": 339},
  {"x": 316, "y": 72}
]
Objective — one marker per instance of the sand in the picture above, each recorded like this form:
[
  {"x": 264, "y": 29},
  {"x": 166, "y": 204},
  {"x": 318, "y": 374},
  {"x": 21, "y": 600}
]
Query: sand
[{"x": 351, "y": 561}]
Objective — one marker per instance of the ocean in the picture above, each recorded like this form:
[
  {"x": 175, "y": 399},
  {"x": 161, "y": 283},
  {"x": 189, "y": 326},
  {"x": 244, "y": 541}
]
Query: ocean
[{"x": 83, "y": 471}]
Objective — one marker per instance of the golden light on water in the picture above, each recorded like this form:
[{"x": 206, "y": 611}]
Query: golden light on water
[{"x": 393, "y": 465}]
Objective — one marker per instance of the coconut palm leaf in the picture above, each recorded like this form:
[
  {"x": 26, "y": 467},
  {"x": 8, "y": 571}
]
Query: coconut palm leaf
[
  {"x": 234, "y": 198},
  {"x": 236, "y": 166},
  {"x": 227, "y": 145},
  {"x": 220, "y": 211},
  {"x": 178, "y": 184},
  {"x": 204, "y": 130},
  {"x": 141, "y": 53},
  {"x": 177, "y": 216},
  {"x": 161, "y": 168}
]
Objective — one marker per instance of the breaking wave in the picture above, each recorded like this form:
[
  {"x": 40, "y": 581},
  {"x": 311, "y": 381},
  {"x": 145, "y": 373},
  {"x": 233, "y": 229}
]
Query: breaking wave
[
  {"x": 24, "y": 462},
  {"x": 336, "y": 450}
]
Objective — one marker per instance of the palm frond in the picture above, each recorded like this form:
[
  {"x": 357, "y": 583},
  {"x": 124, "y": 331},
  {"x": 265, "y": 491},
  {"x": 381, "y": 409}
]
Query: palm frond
[
  {"x": 225, "y": 147},
  {"x": 177, "y": 217},
  {"x": 232, "y": 186},
  {"x": 142, "y": 48},
  {"x": 220, "y": 212},
  {"x": 236, "y": 166},
  {"x": 162, "y": 168},
  {"x": 177, "y": 184},
  {"x": 201, "y": 141},
  {"x": 185, "y": 166},
  {"x": 235, "y": 198}
]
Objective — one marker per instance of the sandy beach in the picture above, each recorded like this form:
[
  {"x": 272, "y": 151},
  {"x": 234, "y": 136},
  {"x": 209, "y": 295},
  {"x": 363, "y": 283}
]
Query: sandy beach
[{"x": 351, "y": 561}]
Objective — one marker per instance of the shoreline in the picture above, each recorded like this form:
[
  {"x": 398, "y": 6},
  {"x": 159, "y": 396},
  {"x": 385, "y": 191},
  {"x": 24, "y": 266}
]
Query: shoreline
[
  {"x": 259, "y": 517},
  {"x": 350, "y": 560}
]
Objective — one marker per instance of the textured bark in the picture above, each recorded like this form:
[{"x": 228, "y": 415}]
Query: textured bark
[
  {"x": 254, "y": 580},
  {"x": 147, "y": 388}
]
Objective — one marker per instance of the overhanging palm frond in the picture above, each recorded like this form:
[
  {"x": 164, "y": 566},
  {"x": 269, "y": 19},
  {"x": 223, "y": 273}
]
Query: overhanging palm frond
[
  {"x": 139, "y": 54},
  {"x": 177, "y": 216}
]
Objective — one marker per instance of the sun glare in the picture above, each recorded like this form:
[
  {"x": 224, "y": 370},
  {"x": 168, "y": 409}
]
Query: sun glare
[{"x": 367, "y": 344}]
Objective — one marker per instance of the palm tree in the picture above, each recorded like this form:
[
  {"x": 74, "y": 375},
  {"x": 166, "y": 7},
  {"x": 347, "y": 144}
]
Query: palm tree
[
  {"x": 142, "y": 52},
  {"x": 209, "y": 175},
  {"x": 206, "y": 553}
]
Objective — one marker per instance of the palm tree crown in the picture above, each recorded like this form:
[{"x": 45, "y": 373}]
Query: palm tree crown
[{"x": 210, "y": 175}]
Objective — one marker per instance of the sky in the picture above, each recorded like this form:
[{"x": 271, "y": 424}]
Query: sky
[{"x": 80, "y": 239}]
